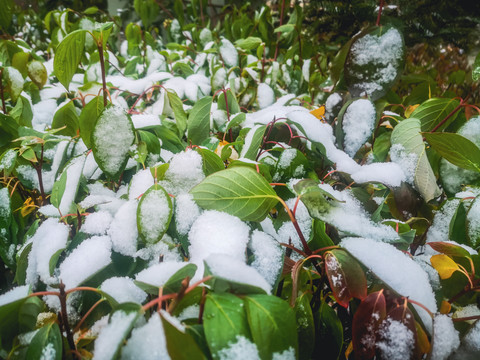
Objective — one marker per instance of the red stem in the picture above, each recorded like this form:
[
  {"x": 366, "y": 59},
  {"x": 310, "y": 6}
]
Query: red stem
[{"x": 380, "y": 12}]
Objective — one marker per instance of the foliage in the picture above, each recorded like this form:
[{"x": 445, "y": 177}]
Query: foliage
[{"x": 196, "y": 185}]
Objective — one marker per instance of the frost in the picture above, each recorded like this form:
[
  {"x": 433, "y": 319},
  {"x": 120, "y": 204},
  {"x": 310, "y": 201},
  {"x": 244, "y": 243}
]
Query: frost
[
  {"x": 5, "y": 211},
  {"x": 48, "y": 352}
]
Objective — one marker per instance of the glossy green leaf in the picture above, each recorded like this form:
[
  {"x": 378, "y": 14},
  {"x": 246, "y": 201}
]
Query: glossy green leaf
[
  {"x": 199, "y": 121},
  {"x": 11, "y": 304},
  {"x": 180, "y": 344},
  {"x": 305, "y": 327},
  {"x": 211, "y": 161},
  {"x": 22, "y": 112},
  {"x": 272, "y": 324},
  {"x": 154, "y": 213},
  {"x": 14, "y": 82},
  {"x": 111, "y": 139},
  {"x": 456, "y": 149},
  {"x": 250, "y": 43},
  {"x": 66, "y": 116},
  {"x": 407, "y": 134},
  {"x": 88, "y": 118},
  {"x": 173, "y": 284},
  {"x": 239, "y": 191},
  {"x": 37, "y": 72},
  {"x": 253, "y": 141},
  {"x": 68, "y": 56},
  {"x": 28, "y": 313},
  {"x": 19, "y": 62},
  {"x": 177, "y": 108},
  {"x": 433, "y": 111},
  {"x": 328, "y": 333},
  {"x": 58, "y": 190},
  {"x": 345, "y": 275},
  {"x": 147, "y": 10},
  {"x": 235, "y": 121},
  {"x": 48, "y": 340},
  {"x": 224, "y": 319}
]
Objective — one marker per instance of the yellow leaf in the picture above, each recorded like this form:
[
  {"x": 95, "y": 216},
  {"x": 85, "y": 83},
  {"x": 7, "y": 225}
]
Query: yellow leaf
[
  {"x": 422, "y": 338},
  {"x": 410, "y": 109},
  {"x": 444, "y": 265},
  {"x": 349, "y": 350},
  {"x": 319, "y": 113},
  {"x": 445, "y": 307}
]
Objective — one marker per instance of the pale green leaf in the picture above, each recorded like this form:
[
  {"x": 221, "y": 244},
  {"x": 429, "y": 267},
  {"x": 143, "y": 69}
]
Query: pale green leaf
[{"x": 433, "y": 111}]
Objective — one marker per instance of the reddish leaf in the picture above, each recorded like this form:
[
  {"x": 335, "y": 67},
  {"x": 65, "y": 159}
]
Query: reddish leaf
[
  {"x": 346, "y": 276},
  {"x": 366, "y": 322},
  {"x": 449, "y": 249}
]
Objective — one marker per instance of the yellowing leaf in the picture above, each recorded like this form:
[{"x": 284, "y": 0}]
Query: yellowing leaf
[
  {"x": 28, "y": 207},
  {"x": 319, "y": 113},
  {"x": 445, "y": 307},
  {"x": 410, "y": 109},
  {"x": 444, "y": 265}
]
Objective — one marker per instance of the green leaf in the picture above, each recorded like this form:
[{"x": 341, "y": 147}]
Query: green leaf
[
  {"x": 235, "y": 121},
  {"x": 250, "y": 43},
  {"x": 233, "y": 106},
  {"x": 239, "y": 191},
  {"x": 92, "y": 10},
  {"x": 177, "y": 108},
  {"x": 68, "y": 56},
  {"x": 272, "y": 324},
  {"x": 111, "y": 139},
  {"x": 9, "y": 325},
  {"x": 449, "y": 249},
  {"x": 48, "y": 340},
  {"x": 407, "y": 134},
  {"x": 305, "y": 327},
  {"x": 28, "y": 313},
  {"x": 148, "y": 11},
  {"x": 58, "y": 190},
  {"x": 66, "y": 116},
  {"x": 88, "y": 118},
  {"x": 287, "y": 28},
  {"x": 173, "y": 284},
  {"x": 211, "y": 161},
  {"x": 6, "y": 14},
  {"x": 14, "y": 82},
  {"x": 19, "y": 62},
  {"x": 154, "y": 213},
  {"x": 433, "y": 111},
  {"x": 152, "y": 142},
  {"x": 345, "y": 275},
  {"x": 180, "y": 345},
  {"x": 317, "y": 200},
  {"x": 224, "y": 319},
  {"x": 22, "y": 112},
  {"x": 328, "y": 332},
  {"x": 199, "y": 121},
  {"x": 456, "y": 149},
  {"x": 37, "y": 72},
  {"x": 253, "y": 141},
  {"x": 476, "y": 68}
]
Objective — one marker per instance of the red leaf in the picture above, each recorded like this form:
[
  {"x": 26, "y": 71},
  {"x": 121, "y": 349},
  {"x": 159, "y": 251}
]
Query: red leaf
[
  {"x": 346, "y": 276},
  {"x": 449, "y": 249},
  {"x": 367, "y": 319}
]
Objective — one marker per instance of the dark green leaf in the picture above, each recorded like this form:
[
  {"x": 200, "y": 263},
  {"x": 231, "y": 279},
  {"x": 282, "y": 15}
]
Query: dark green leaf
[
  {"x": 58, "y": 190},
  {"x": 22, "y": 112},
  {"x": 148, "y": 11},
  {"x": 239, "y": 191},
  {"x": 68, "y": 56},
  {"x": 233, "y": 107},
  {"x": 253, "y": 141},
  {"x": 88, "y": 118},
  {"x": 211, "y": 161},
  {"x": 455, "y": 148},
  {"x": 48, "y": 340},
  {"x": 66, "y": 116},
  {"x": 328, "y": 333},
  {"x": 305, "y": 327},
  {"x": 272, "y": 324},
  {"x": 224, "y": 319},
  {"x": 199, "y": 121},
  {"x": 9, "y": 325}
]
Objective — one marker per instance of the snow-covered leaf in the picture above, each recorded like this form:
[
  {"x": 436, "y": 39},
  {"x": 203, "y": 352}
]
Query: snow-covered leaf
[{"x": 154, "y": 213}]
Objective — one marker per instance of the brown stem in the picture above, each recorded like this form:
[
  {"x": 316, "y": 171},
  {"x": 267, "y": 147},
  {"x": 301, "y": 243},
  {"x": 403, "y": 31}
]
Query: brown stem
[
  {"x": 1, "y": 92},
  {"x": 202, "y": 306},
  {"x": 102, "y": 66},
  {"x": 180, "y": 294},
  {"x": 380, "y": 12},
  {"x": 201, "y": 13},
  {"x": 38, "y": 168},
  {"x": 159, "y": 2},
  {"x": 64, "y": 316},
  {"x": 474, "y": 317}
]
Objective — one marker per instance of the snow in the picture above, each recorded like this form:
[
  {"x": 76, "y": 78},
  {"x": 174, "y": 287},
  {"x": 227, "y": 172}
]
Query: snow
[
  {"x": 145, "y": 120},
  {"x": 358, "y": 124},
  {"x": 112, "y": 335},
  {"x": 248, "y": 140},
  {"x": 407, "y": 161},
  {"x": 265, "y": 95},
  {"x": 186, "y": 212},
  {"x": 123, "y": 229},
  {"x": 241, "y": 349},
  {"x": 8, "y": 159},
  {"x": 473, "y": 220},
  {"x": 73, "y": 173},
  {"x": 439, "y": 231},
  {"x": 268, "y": 256},
  {"x": 15, "y": 294},
  {"x": 154, "y": 212},
  {"x": 445, "y": 338},
  {"x": 229, "y": 53},
  {"x": 123, "y": 289},
  {"x": 5, "y": 211},
  {"x": 185, "y": 171},
  {"x": 230, "y": 268},
  {"x": 140, "y": 183},
  {"x": 50, "y": 237},
  {"x": 288, "y": 354},
  {"x": 220, "y": 233},
  {"x": 331, "y": 103},
  {"x": 397, "y": 341},
  {"x": 190, "y": 312},
  {"x": 112, "y": 137},
  {"x": 147, "y": 342},
  {"x": 48, "y": 352},
  {"x": 97, "y": 223},
  {"x": 86, "y": 259},
  {"x": 158, "y": 274},
  {"x": 387, "y": 263}
]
